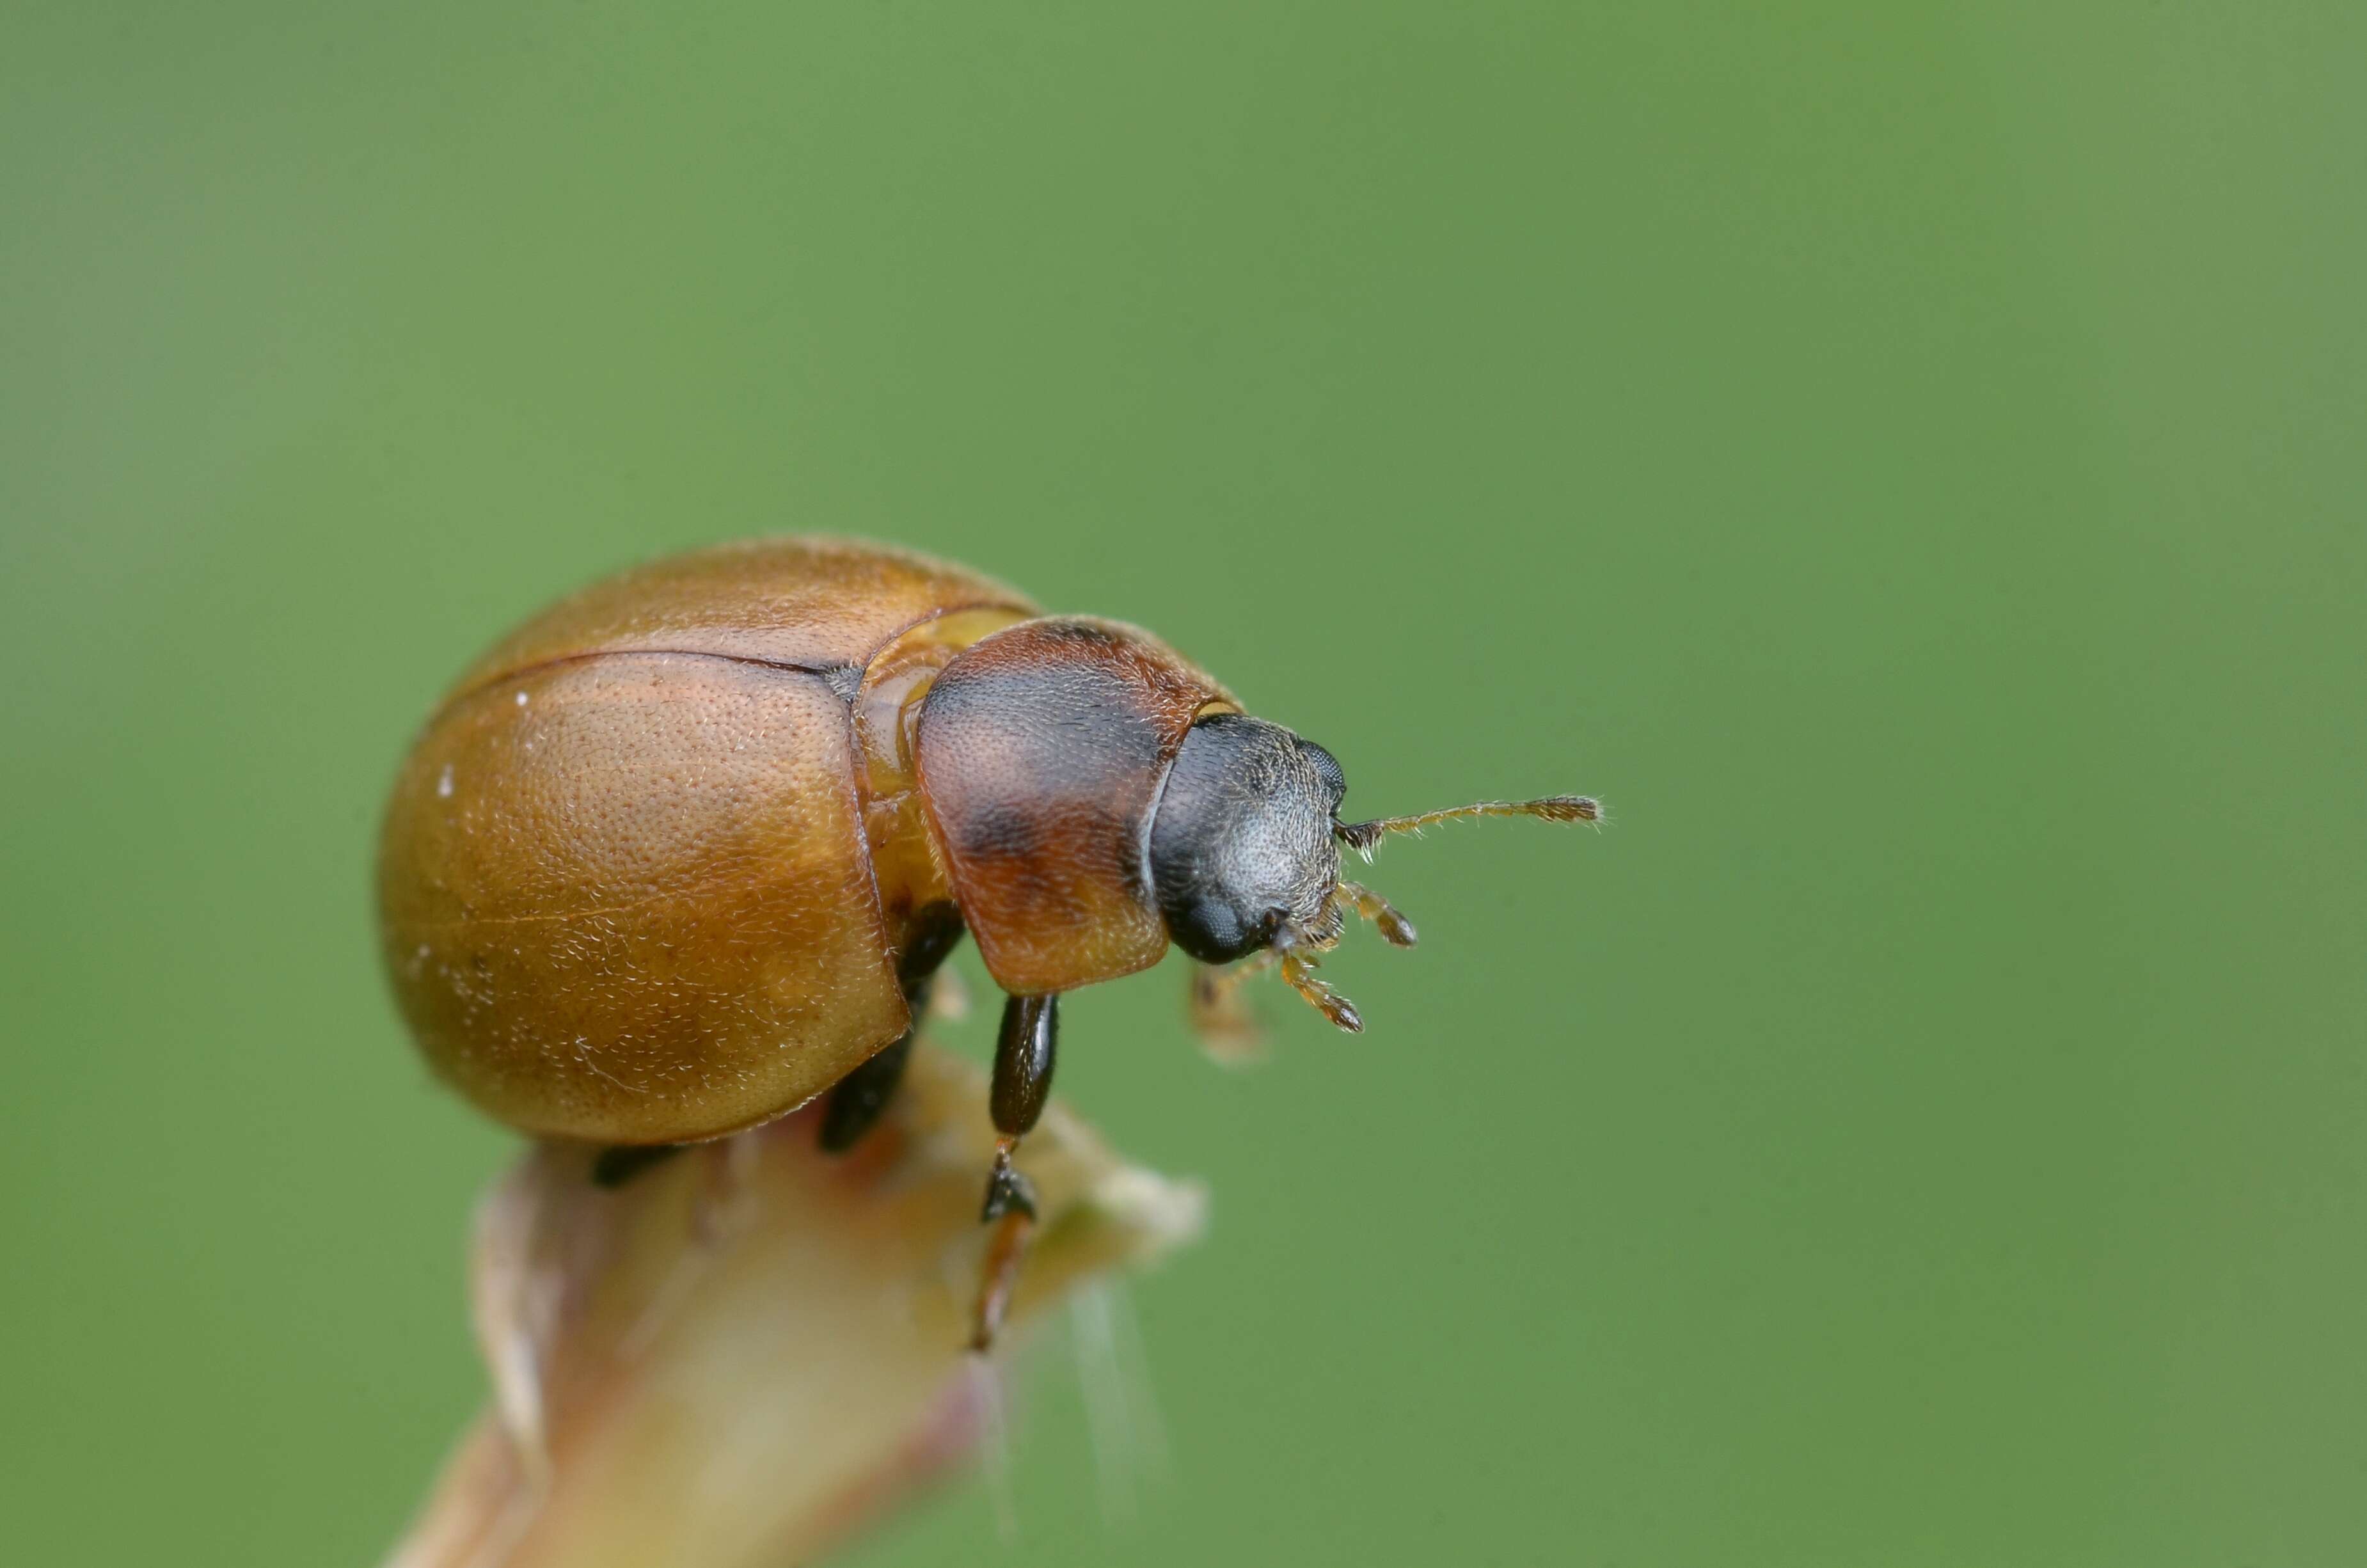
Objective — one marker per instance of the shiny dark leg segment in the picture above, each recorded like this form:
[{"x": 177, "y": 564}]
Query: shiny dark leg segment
[
  {"x": 1024, "y": 1053},
  {"x": 856, "y": 1104},
  {"x": 1023, "y": 1056}
]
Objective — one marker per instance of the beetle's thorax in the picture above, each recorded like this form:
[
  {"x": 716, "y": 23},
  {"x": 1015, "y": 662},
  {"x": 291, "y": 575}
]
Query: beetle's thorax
[
  {"x": 1041, "y": 752},
  {"x": 904, "y": 858}
]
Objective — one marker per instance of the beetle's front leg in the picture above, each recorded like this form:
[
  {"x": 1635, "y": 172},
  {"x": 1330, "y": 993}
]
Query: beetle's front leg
[
  {"x": 1024, "y": 1052},
  {"x": 1225, "y": 1023}
]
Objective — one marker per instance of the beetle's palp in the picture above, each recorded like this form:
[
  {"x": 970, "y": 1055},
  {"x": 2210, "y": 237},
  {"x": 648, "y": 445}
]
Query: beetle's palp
[
  {"x": 1394, "y": 927},
  {"x": 1298, "y": 973},
  {"x": 1361, "y": 837}
]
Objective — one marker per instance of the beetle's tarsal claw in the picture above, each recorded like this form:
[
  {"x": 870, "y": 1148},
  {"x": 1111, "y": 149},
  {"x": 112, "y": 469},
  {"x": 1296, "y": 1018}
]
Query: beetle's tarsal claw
[{"x": 1007, "y": 1192}]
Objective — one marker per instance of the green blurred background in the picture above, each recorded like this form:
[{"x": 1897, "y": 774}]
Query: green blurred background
[{"x": 1907, "y": 459}]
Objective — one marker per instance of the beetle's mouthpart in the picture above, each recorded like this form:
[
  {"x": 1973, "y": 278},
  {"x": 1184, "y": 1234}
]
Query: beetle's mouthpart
[
  {"x": 1297, "y": 953},
  {"x": 1364, "y": 836},
  {"x": 1394, "y": 927}
]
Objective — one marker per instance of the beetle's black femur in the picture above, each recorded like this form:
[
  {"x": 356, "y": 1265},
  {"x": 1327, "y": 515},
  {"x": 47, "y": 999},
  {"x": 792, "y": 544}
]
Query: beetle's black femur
[{"x": 1243, "y": 845}]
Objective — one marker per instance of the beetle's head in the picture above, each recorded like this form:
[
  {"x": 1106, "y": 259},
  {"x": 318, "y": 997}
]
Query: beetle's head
[
  {"x": 1245, "y": 851},
  {"x": 1242, "y": 853}
]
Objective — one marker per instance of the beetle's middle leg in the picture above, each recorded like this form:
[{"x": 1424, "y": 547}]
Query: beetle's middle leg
[
  {"x": 617, "y": 1165},
  {"x": 1023, "y": 1054},
  {"x": 858, "y": 1100}
]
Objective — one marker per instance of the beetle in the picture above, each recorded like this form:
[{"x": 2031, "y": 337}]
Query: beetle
[{"x": 683, "y": 851}]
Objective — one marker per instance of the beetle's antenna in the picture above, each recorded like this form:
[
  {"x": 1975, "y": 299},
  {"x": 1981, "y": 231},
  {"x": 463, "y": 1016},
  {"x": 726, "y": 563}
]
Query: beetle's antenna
[
  {"x": 1361, "y": 837},
  {"x": 1394, "y": 927}
]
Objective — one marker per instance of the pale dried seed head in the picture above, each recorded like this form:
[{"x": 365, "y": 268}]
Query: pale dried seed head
[{"x": 740, "y": 1355}]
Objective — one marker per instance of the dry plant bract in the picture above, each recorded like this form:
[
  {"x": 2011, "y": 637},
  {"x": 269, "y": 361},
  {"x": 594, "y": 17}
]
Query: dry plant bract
[{"x": 742, "y": 1353}]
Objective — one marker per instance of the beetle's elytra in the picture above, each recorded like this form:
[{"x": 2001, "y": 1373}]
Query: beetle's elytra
[{"x": 683, "y": 851}]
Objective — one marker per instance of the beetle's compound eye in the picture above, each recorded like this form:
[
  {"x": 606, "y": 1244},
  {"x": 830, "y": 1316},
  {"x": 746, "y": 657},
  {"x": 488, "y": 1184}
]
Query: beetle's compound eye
[
  {"x": 1327, "y": 768},
  {"x": 1242, "y": 846}
]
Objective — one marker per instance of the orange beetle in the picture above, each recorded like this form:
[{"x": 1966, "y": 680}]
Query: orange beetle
[{"x": 682, "y": 852}]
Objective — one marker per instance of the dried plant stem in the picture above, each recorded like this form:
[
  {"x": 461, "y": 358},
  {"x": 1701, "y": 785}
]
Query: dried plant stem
[{"x": 739, "y": 1356}]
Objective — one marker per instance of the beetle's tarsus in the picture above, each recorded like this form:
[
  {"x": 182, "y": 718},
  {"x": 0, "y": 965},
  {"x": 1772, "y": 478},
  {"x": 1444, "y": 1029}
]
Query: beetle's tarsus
[
  {"x": 1005, "y": 1247},
  {"x": 1025, "y": 1051},
  {"x": 1010, "y": 1209}
]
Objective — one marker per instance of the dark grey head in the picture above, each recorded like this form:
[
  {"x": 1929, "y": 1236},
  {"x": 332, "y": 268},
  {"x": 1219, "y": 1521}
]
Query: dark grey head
[{"x": 1244, "y": 850}]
